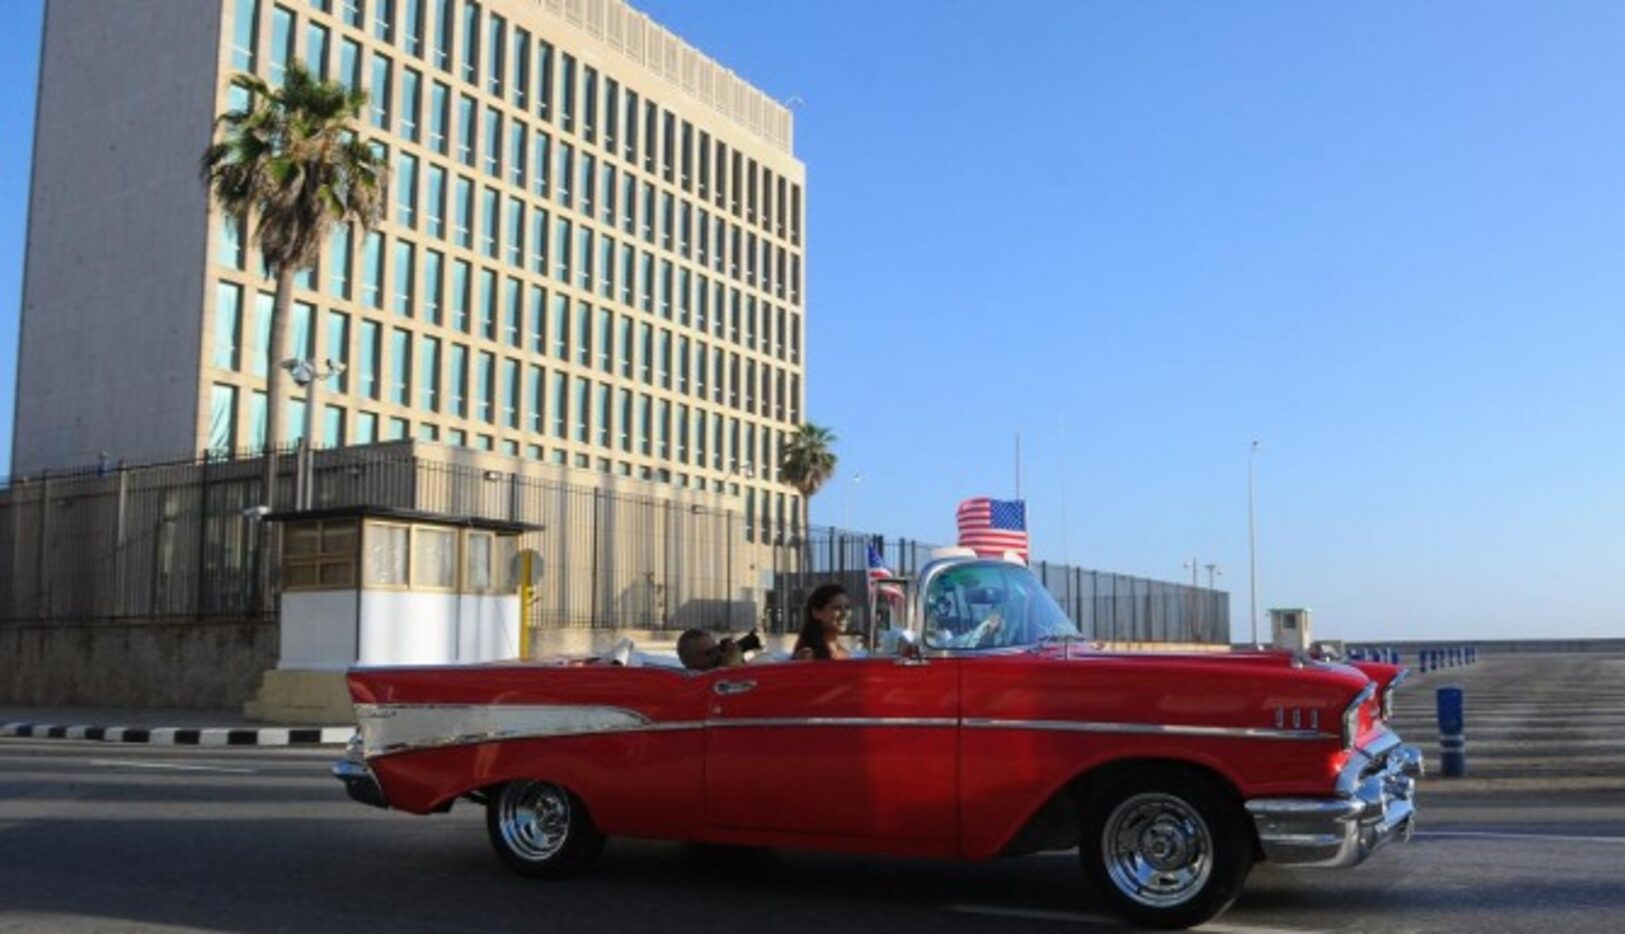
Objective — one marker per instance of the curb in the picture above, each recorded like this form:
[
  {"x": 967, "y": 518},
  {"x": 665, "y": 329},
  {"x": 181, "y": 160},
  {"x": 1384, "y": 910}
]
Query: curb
[{"x": 190, "y": 736}]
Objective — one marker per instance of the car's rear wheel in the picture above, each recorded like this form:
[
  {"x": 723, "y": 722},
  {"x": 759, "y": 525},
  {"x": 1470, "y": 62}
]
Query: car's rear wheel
[
  {"x": 541, "y": 829},
  {"x": 1165, "y": 847}
]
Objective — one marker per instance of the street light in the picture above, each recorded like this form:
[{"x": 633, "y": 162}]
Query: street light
[
  {"x": 308, "y": 376},
  {"x": 1252, "y": 561},
  {"x": 1213, "y": 569}
]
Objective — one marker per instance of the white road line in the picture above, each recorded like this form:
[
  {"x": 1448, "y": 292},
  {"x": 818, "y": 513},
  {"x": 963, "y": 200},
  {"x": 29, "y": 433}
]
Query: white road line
[
  {"x": 1491, "y": 835},
  {"x": 169, "y": 766}
]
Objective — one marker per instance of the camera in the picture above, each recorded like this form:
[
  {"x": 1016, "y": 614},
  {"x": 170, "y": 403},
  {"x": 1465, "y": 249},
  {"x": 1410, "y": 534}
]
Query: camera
[{"x": 750, "y": 642}]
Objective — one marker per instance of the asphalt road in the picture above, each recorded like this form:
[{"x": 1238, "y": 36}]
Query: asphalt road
[{"x": 102, "y": 837}]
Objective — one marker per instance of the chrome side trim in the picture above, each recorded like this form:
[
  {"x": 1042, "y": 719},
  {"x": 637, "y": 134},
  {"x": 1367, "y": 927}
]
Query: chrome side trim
[
  {"x": 832, "y": 721},
  {"x": 1163, "y": 729},
  {"x": 387, "y": 728}
]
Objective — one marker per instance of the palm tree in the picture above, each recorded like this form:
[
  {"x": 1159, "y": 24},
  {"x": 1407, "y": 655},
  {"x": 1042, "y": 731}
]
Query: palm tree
[
  {"x": 807, "y": 463},
  {"x": 292, "y": 160}
]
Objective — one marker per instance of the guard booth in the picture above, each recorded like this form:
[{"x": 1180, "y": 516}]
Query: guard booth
[
  {"x": 366, "y": 585},
  {"x": 1289, "y": 629}
]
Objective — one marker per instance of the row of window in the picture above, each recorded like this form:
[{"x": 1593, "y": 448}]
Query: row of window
[
  {"x": 369, "y": 427},
  {"x": 430, "y": 198},
  {"x": 527, "y": 74},
  {"x": 588, "y": 337}
]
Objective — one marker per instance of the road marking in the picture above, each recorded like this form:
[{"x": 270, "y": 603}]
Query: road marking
[
  {"x": 169, "y": 766},
  {"x": 1078, "y": 917},
  {"x": 1491, "y": 835}
]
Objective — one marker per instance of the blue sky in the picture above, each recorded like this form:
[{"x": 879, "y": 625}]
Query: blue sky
[{"x": 1385, "y": 240}]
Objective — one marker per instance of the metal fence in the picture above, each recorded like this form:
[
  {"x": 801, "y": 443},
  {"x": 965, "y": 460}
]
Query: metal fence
[{"x": 182, "y": 539}]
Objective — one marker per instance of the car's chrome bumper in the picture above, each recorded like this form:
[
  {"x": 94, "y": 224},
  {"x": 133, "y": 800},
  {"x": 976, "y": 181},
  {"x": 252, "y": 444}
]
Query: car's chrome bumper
[
  {"x": 1376, "y": 804},
  {"x": 359, "y": 782}
]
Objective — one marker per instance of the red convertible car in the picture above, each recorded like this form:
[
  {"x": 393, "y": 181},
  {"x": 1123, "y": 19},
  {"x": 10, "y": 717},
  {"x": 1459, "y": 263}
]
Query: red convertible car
[{"x": 996, "y": 730}]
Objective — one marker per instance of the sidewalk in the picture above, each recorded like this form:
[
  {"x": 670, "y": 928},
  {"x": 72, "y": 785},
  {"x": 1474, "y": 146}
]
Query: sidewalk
[{"x": 163, "y": 727}]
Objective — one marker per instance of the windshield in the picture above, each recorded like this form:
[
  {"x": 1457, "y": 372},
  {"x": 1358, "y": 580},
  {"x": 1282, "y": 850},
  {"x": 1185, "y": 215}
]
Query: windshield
[{"x": 990, "y": 605}]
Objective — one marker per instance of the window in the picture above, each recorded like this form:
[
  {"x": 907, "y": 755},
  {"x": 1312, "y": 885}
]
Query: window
[
  {"x": 367, "y": 375},
  {"x": 428, "y": 373},
  {"x": 372, "y": 269},
  {"x": 410, "y": 81},
  {"x": 400, "y": 367},
  {"x": 563, "y": 176},
  {"x": 561, "y": 254},
  {"x": 493, "y": 142},
  {"x": 600, "y": 415},
  {"x": 464, "y": 209},
  {"x": 537, "y": 302},
  {"x": 412, "y": 27},
  {"x": 471, "y": 43},
  {"x": 383, "y": 19},
  {"x": 366, "y": 427},
  {"x": 338, "y": 347},
  {"x": 349, "y": 64},
  {"x": 567, "y": 92},
  {"x": 222, "y": 420},
  {"x": 557, "y": 415},
  {"x": 589, "y": 182},
  {"x": 244, "y": 34},
  {"x": 521, "y": 68},
  {"x": 589, "y": 103},
  {"x": 484, "y": 375},
  {"x": 439, "y": 113},
  {"x": 316, "y": 50},
  {"x": 457, "y": 380},
  {"x": 538, "y": 241},
  {"x": 406, "y": 190},
  {"x": 332, "y": 425},
  {"x": 582, "y": 413},
  {"x": 442, "y": 34},
  {"x": 388, "y": 560},
  {"x": 432, "y": 266},
  {"x": 583, "y": 334},
  {"x": 405, "y": 276},
  {"x": 533, "y": 399},
  {"x": 281, "y": 44},
  {"x": 319, "y": 555},
  {"x": 339, "y": 261},
  {"x": 630, "y": 151},
  {"x": 378, "y": 94},
  {"x": 668, "y": 146},
  {"x": 559, "y": 326},
  {"x": 541, "y": 160},
  {"x": 496, "y": 47},
  {"x": 467, "y": 118},
  {"x": 612, "y": 113},
  {"x": 516, "y": 153},
  {"x": 488, "y": 304},
  {"x": 490, "y": 218},
  {"x": 515, "y": 232},
  {"x": 544, "y": 81},
  {"x": 603, "y": 339},
  {"x": 510, "y": 393},
  {"x": 460, "y": 284},
  {"x": 228, "y": 300},
  {"x": 512, "y": 312},
  {"x": 434, "y": 558}
]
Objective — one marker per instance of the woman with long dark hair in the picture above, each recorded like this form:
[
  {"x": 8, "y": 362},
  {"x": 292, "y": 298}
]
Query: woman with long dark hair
[{"x": 824, "y": 622}]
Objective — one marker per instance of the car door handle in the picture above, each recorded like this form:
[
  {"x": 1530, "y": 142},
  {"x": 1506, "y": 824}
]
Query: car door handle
[{"x": 733, "y": 687}]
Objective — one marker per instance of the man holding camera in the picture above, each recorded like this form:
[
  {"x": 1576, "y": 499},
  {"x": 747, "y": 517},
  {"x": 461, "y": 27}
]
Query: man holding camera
[{"x": 700, "y": 651}]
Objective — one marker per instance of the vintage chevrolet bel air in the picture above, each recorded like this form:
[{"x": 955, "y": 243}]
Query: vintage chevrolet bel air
[{"x": 993, "y": 730}]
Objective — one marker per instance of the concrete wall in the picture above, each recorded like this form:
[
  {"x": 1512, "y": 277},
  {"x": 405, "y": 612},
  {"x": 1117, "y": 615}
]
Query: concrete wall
[
  {"x": 185, "y": 663},
  {"x": 117, "y": 231}
]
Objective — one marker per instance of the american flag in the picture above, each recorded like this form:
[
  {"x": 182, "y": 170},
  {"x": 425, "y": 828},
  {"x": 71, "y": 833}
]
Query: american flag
[
  {"x": 992, "y": 527},
  {"x": 878, "y": 571}
]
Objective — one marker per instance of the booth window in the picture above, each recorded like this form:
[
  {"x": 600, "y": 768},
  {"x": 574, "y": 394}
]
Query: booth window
[
  {"x": 319, "y": 555},
  {"x": 481, "y": 548},
  {"x": 387, "y": 555},
  {"x": 434, "y": 558}
]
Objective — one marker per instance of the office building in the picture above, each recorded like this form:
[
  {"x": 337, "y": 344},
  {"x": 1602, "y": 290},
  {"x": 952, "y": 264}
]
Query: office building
[{"x": 592, "y": 254}]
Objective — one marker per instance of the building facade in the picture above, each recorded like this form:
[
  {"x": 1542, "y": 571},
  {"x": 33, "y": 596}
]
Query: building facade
[{"x": 592, "y": 254}]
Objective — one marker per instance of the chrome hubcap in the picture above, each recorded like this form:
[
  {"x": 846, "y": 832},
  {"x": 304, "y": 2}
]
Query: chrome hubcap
[
  {"x": 1157, "y": 850},
  {"x": 534, "y": 819}
]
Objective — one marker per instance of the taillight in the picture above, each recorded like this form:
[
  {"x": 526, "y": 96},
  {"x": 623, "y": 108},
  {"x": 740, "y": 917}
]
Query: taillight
[
  {"x": 1351, "y": 715},
  {"x": 1388, "y": 693}
]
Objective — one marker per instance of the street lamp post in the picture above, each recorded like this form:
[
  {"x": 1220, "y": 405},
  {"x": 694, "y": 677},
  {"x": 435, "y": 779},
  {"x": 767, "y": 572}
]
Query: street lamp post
[
  {"x": 307, "y": 375},
  {"x": 1252, "y": 561}
]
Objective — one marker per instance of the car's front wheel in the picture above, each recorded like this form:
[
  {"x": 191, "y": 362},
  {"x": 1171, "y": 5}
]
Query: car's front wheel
[
  {"x": 541, "y": 829},
  {"x": 1165, "y": 847}
]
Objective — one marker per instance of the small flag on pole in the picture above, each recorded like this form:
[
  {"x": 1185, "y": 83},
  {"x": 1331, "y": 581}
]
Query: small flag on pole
[
  {"x": 878, "y": 571},
  {"x": 992, "y": 527}
]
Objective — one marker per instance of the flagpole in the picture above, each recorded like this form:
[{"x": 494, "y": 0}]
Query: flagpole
[{"x": 1018, "y": 465}]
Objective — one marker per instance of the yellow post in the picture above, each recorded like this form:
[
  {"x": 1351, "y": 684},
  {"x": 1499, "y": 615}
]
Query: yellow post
[{"x": 527, "y": 593}]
